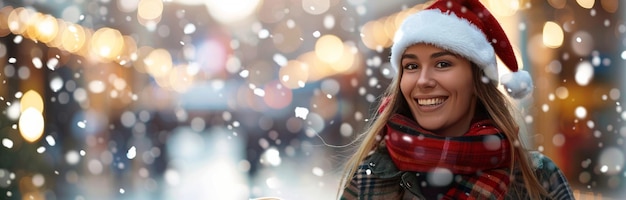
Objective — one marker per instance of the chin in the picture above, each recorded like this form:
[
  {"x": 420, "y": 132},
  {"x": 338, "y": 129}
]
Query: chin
[{"x": 430, "y": 126}]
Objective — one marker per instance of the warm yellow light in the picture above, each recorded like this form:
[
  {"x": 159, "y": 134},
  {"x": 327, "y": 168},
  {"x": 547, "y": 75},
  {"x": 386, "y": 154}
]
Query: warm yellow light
[
  {"x": 158, "y": 63},
  {"x": 390, "y": 27},
  {"x": 47, "y": 28},
  {"x": 294, "y": 75},
  {"x": 149, "y": 9},
  {"x": 31, "y": 124},
  {"x": 367, "y": 35},
  {"x": 558, "y": 4},
  {"x": 130, "y": 48},
  {"x": 552, "y": 35},
  {"x": 318, "y": 69},
  {"x": 374, "y": 36},
  {"x": 398, "y": 19},
  {"x": 163, "y": 82},
  {"x": 31, "y": 99},
  {"x": 73, "y": 38},
  {"x": 329, "y": 48},
  {"x": 346, "y": 63},
  {"x": 315, "y": 7},
  {"x": 588, "y": 4},
  {"x": 57, "y": 41},
  {"x": 30, "y": 21},
  {"x": 17, "y": 20},
  {"x": 4, "y": 18},
  {"x": 610, "y": 5},
  {"x": 107, "y": 43},
  {"x": 504, "y": 7},
  {"x": 232, "y": 11},
  {"x": 139, "y": 56},
  {"x": 180, "y": 79},
  {"x": 380, "y": 35},
  {"x": 85, "y": 50}
]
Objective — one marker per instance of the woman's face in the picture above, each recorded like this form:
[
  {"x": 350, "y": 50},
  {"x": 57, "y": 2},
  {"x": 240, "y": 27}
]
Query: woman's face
[{"x": 439, "y": 89}]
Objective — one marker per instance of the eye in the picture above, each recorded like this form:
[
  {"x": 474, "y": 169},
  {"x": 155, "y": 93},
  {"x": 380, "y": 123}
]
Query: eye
[
  {"x": 410, "y": 66},
  {"x": 443, "y": 65}
]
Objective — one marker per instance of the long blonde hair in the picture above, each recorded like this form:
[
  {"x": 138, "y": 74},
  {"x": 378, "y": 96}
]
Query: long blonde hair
[{"x": 495, "y": 102}]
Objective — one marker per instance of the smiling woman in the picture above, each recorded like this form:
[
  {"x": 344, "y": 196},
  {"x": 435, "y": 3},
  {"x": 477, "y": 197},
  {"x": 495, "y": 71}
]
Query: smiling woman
[{"x": 444, "y": 130}]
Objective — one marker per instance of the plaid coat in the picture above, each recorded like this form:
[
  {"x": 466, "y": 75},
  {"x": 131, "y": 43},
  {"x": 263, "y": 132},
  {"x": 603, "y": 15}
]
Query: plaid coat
[{"x": 378, "y": 178}]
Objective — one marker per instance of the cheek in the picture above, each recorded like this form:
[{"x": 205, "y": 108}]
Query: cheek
[
  {"x": 406, "y": 86},
  {"x": 466, "y": 89}
]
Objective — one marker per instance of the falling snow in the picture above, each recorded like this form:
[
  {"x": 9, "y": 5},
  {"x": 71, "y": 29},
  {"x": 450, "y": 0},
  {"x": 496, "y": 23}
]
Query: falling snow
[
  {"x": 7, "y": 143},
  {"x": 302, "y": 112},
  {"x": 132, "y": 152}
]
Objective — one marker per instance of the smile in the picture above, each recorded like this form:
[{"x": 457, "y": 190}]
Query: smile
[{"x": 431, "y": 101}]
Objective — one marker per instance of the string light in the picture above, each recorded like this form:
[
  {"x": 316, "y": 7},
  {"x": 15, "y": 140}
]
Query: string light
[{"x": 103, "y": 45}]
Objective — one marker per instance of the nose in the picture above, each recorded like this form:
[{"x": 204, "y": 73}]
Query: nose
[{"x": 425, "y": 79}]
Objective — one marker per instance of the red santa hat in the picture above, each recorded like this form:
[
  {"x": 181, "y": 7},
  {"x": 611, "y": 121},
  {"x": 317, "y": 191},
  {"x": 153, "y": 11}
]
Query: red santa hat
[{"x": 467, "y": 28}]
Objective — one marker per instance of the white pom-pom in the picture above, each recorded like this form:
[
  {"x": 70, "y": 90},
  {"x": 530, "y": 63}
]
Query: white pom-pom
[{"x": 517, "y": 84}]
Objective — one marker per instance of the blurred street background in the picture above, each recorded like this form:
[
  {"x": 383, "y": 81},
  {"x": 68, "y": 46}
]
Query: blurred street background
[{"x": 242, "y": 99}]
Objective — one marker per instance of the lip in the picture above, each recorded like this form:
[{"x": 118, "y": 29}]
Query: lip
[{"x": 430, "y": 108}]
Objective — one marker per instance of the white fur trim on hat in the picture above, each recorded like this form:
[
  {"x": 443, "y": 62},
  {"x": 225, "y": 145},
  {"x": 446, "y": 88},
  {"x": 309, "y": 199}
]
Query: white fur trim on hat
[{"x": 446, "y": 31}]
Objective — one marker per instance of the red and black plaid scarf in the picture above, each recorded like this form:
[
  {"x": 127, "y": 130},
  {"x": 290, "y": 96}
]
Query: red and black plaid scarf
[{"x": 481, "y": 156}]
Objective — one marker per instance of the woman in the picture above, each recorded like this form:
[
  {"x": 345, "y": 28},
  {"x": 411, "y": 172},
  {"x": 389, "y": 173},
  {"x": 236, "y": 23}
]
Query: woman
[{"x": 443, "y": 129}]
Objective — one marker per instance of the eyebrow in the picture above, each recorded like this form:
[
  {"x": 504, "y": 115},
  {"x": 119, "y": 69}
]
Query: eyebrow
[
  {"x": 434, "y": 55},
  {"x": 442, "y": 53},
  {"x": 412, "y": 56}
]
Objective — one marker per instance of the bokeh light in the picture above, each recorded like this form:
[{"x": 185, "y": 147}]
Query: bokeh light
[
  {"x": 611, "y": 161},
  {"x": 582, "y": 43},
  {"x": 315, "y": 7},
  {"x": 372, "y": 37},
  {"x": 73, "y": 38},
  {"x": 294, "y": 75},
  {"x": 287, "y": 39},
  {"x": 329, "y": 48},
  {"x": 128, "y": 5},
  {"x": 231, "y": 11},
  {"x": 552, "y": 35},
  {"x": 4, "y": 15},
  {"x": 45, "y": 28},
  {"x": 272, "y": 11},
  {"x": 180, "y": 78},
  {"x": 580, "y": 112},
  {"x": 584, "y": 73},
  {"x": 31, "y": 124},
  {"x": 588, "y": 4},
  {"x": 559, "y": 4},
  {"x": 158, "y": 63},
  {"x": 107, "y": 43},
  {"x": 31, "y": 99},
  {"x": 149, "y": 10},
  {"x": 504, "y": 7},
  {"x": 17, "y": 20},
  {"x": 277, "y": 95},
  {"x": 610, "y": 6}
]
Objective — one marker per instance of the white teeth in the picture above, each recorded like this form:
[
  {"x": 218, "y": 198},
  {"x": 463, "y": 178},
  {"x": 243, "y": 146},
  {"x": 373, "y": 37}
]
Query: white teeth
[{"x": 430, "y": 102}]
